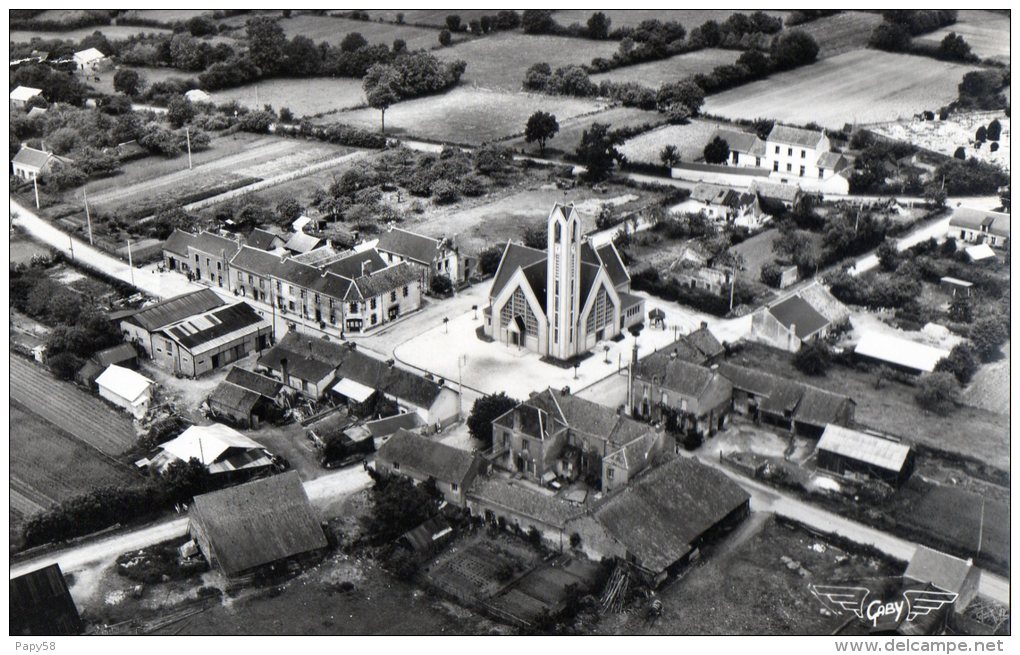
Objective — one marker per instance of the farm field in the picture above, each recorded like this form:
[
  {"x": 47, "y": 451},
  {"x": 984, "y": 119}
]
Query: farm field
[
  {"x": 150, "y": 75},
  {"x": 690, "y": 139},
  {"x": 958, "y": 130},
  {"x": 569, "y": 136},
  {"x": 434, "y": 17},
  {"x": 111, "y": 32},
  {"x": 689, "y": 18},
  {"x": 841, "y": 33},
  {"x": 48, "y": 465},
  {"x": 304, "y": 97},
  {"x": 743, "y": 587},
  {"x": 862, "y": 86},
  {"x": 466, "y": 115},
  {"x": 654, "y": 73},
  {"x": 986, "y": 32},
  {"x": 167, "y": 15},
  {"x": 69, "y": 408},
  {"x": 990, "y": 387},
  {"x": 333, "y": 30},
  {"x": 23, "y": 249},
  {"x": 500, "y": 61},
  {"x": 231, "y": 159}
]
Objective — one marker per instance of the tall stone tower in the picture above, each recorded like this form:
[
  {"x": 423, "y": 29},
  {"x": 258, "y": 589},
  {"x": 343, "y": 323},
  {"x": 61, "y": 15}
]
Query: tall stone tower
[{"x": 563, "y": 275}]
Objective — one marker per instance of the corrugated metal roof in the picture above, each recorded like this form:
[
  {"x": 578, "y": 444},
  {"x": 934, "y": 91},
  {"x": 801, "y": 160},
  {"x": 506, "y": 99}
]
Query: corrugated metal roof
[
  {"x": 171, "y": 310},
  {"x": 202, "y": 332},
  {"x": 867, "y": 448},
  {"x": 899, "y": 351}
]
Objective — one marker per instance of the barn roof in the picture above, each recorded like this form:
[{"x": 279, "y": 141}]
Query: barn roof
[
  {"x": 210, "y": 329},
  {"x": 870, "y": 449},
  {"x": 41, "y": 604},
  {"x": 260, "y": 384},
  {"x": 660, "y": 515},
  {"x": 259, "y": 522},
  {"x": 174, "y": 309},
  {"x": 89, "y": 55},
  {"x": 743, "y": 142},
  {"x": 24, "y": 93},
  {"x": 410, "y": 245},
  {"x": 798, "y": 313},
  {"x": 234, "y": 397},
  {"x": 422, "y": 537},
  {"x": 901, "y": 352},
  {"x": 261, "y": 239},
  {"x": 944, "y": 571},
  {"x": 995, "y": 223},
  {"x": 510, "y": 495},
  {"x": 435, "y": 459},
  {"x": 120, "y": 353},
  {"x": 301, "y": 242}
]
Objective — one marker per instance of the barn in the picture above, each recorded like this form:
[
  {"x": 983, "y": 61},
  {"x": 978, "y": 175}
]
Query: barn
[
  {"x": 246, "y": 528},
  {"x": 849, "y": 452},
  {"x": 41, "y": 605}
]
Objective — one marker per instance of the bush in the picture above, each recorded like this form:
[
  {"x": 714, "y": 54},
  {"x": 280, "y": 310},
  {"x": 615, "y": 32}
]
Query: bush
[
  {"x": 962, "y": 362},
  {"x": 813, "y": 359},
  {"x": 771, "y": 274},
  {"x": 445, "y": 192},
  {"x": 485, "y": 410},
  {"x": 937, "y": 393},
  {"x": 441, "y": 285}
]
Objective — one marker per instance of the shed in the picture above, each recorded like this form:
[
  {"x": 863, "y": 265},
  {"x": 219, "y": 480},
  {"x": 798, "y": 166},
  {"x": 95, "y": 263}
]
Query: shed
[
  {"x": 956, "y": 286},
  {"x": 427, "y": 537},
  {"x": 41, "y": 605},
  {"x": 946, "y": 573},
  {"x": 126, "y": 389},
  {"x": 980, "y": 252},
  {"x": 842, "y": 451},
  {"x": 123, "y": 354},
  {"x": 900, "y": 353},
  {"x": 220, "y": 448},
  {"x": 244, "y": 528},
  {"x": 22, "y": 94}
]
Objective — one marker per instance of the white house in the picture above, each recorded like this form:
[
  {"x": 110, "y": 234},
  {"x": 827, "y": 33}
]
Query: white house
[
  {"x": 90, "y": 60},
  {"x": 22, "y": 94},
  {"x": 219, "y": 448},
  {"x": 30, "y": 163},
  {"x": 127, "y": 389},
  {"x": 979, "y": 226}
]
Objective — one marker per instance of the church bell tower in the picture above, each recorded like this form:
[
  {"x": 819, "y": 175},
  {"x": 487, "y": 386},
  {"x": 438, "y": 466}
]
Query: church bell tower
[{"x": 563, "y": 274}]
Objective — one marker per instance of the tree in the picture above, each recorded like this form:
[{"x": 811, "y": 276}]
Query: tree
[
  {"x": 266, "y": 44},
  {"x": 485, "y": 410},
  {"x": 536, "y": 237},
  {"x": 962, "y": 362},
  {"x": 935, "y": 195},
  {"x": 988, "y": 334},
  {"x": 669, "y": 156},
  {"x": 717, "y": 151},
  {"x": 771, "y": 274},
  {"x": 488, "y": 260},
  {"x": 289, "y": 210},
  {"x": 453, "y": 22},
  {"x": 537, "y": 21},
  {"x": 445, "y": 38},
  {"x": 813, "y": 359},
  {"x": 380, "y": 89},
  {"x": 441, "y": 285},
  {"x": 541, "y": 127},
  {"x": 890, "y": 36},
  {"x": 127, "y": 81},
  {"x": 598, "y": 26},
  {"x": 953, "y": 47},
  {"x": 537, "y": 76},
  {"x": 179, "y": 112},
  {"x": 755, "y": 61},
  {"x": 64, "y": 366},
  {"x": 994, "y": 130},
  {"x": 793, "y": 49},
  {"x": 685, "y": 93},
  {"x": 399, "y": 46},
  {"x": 597, "y": 151},
  {"x": 888, "y": 255},
  {"x": 960, "y": 153},
  {"x": 981, "y": 134},
  {"x": 937, "y": 393},
  {"x": 961, "y": 310}
]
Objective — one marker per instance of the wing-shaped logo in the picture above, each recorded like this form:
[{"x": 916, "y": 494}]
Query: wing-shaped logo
[
  {"x": 841, "y": 599},
  {"x": 922, "y": 602}
]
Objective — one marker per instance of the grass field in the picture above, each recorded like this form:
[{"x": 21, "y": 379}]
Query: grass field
[
  {"x": 841, "y": 33},
  {"x": 231, "y": 158},
  {"x": 986, "y": 32},
  {"x": 990, "y": 387},
  {"x": 111, "y": 32},
  {"x": 149, "y": 75},
  {"x": 49, "y": 465},
  {"x": 23, "y": 249},
  {"x": 434, "y": 17},
  {"x": 500, "y": 61},
  {"x": 466, "y": 115},
  {"x": 304, "y": 97},
  {"x": 969, "y": 431},
  {"x": 167, "y": 15},
  {"x": 862, "y": 86},
  {"x": 690, "y": 139},
  {"x": 82, "y": 415},
  {"x": 654, "y": 73},
  {"x": 569, "y": 136},
  {"x": 333, "y": 30},
  {"x": 743, "y": 587},
  {"x": 689, "y": 18}
]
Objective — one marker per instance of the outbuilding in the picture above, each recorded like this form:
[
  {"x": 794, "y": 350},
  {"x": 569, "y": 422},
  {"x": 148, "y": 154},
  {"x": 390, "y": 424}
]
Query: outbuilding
[
  {"x": 899, "y": 353},
  {"x": 126, "y": 389},
  {"x": 849, "y": 452},
  {"x": 22, "y": 94},
  {"x": 41, "y": 605}
]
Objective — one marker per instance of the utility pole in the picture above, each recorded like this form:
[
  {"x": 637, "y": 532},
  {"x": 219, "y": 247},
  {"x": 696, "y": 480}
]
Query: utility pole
[
  {"x": 461, "y": 360},
  {"x": 70, "y": 241},
  {"x": 88, "y": 216},
  {"x": 733, "y": 279},
  {"x": 187, "y": 134},
  {"x": 981, "y": 526},
  {"x": 131, "y": 266},
  {"x": 35, "y": 184}
]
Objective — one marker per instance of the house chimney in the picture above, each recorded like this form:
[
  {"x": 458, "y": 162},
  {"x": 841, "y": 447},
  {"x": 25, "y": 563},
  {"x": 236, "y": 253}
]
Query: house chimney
[
  {"x": 283, "y": 370},
  {"x": 441, "y": 381},
  {"x": 366, "y": 268},
  {"x": 704, "y": 325},
  {"x": 792, "y": 336},
  {"x": 565, "y": 391},
  {"x": 390, "y": 363},
  {"x": 633, "y": 355}
]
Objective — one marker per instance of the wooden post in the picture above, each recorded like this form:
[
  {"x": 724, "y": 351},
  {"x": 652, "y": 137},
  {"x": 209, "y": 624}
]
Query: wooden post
[
  {"x": 187, "y": 134},
  {"x": 131, "y": 266},
  {"x": 88, "y": 216},
  {"x": 35, "y": 184}
]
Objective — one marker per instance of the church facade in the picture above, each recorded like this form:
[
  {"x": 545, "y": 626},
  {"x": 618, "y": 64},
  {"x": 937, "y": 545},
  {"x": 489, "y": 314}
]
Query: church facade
[{"x": 562, "y": 301}]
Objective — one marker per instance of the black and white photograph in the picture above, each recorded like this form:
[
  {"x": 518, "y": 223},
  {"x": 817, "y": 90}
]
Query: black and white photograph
[{"x": 529, "y": 322}]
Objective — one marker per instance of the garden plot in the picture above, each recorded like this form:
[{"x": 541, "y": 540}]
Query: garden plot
[
  {"x": 654, "y": 74},
  {"x": 689, "y": 18},
  {"x": 862, "y": 86},
  {"x": 499, "y": 61},
  {"x": 333, "y": 30},
  {"x": 946, "y": 136},
  {"x": 986, "y": 32},
  {"x": 305, "y": 97},
  {"x": 690, "y": 139},
  {"x": 842, "y": 32},
  {"x": 465, "y": 115}
]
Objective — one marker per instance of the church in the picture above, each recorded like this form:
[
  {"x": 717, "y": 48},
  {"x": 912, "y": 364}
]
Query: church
[{"x": 561, "y": 301}]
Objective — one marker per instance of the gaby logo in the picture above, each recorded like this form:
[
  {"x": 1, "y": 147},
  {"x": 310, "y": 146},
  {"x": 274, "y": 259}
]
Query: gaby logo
[{"x": 878, "y": 612}]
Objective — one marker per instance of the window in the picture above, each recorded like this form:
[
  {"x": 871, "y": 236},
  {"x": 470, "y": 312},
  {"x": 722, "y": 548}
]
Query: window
[
  {"x": 789, "y": 167},
  {"x": 219, "y": 266},
  {"x": 396, "y": 466},
  {"x": 821, "y": 173},
  {"x": 406, "y": 290},
  {"x": 802, "y": 171},
  {"x": 239, "y": 278},
  {"x": 775, "y": 166},
  {"x": 803, "y": 154},
  {"x": 609, "y": 473},
  {"x": 393, "y": 296},
  {"x": 757, "y": 162},
  {"x": 302, "y": 293},
  {"x": 372, "y": 303},
  {"x": 290, "y": 304},
  {"x": 789, "y": 152},
  {"x": 453, "y": 486},
  {"x": 196, "y": 259},
  {"x": 374, "y": 319},
  {"x": 777, "y": 150},
  {"x": 279, "y": 287}
]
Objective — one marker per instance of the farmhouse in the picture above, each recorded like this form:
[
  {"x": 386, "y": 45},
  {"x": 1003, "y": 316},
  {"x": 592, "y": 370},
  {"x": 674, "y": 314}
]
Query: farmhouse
[
  {"x": 90, "y": 60},
  {"x": 205, "y": 255},
  {"x": 422, "y": 459},
  {"x": 22, "y": 94},
  {"x": 499, "y": 499},
  {"x": 245, "y": 528},
  {"x": 139, "y": 325},
  {"x": 41, "y": 605},
  {"x": 746, "y": 149},
  {"x": 126, "y": 389},
  {"x": 790, "y": 405},
  {"x": 776, "y": 197},
  {"x": 945, "y": 573},
  {"x": 304, "y": 363},
  {"x": 979, "y": 226},
  {"x": 207, "y": 341},
  {"x": 805, "y": 316},
  {"x": 660, "y": 522},
  {"x": 794, "y": 152},
  {"x": 690, "y": 398},
  {"x": 264, "y": 240},
  {"x": 901, "y": 354},
  {"x": 30, "y": 163},
  {"x": 430, "y": 256},
  {"x": 556, "y": 435},
  {"x": 561, "y": 302},
  {"x": 221, "y": 449},
  {"x": 850, "y": 452},
  {"x": 246, "y": 398}
]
